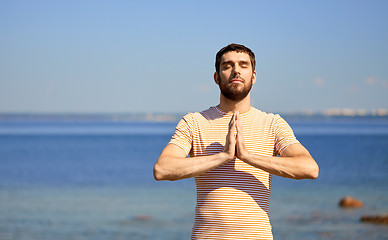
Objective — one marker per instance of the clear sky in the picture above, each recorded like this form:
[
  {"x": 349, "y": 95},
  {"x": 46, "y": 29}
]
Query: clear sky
[{"x": 158, "y": 56}]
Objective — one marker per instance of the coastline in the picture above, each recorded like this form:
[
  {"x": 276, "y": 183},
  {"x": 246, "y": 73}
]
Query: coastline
[{"x": 339, "y": 114}]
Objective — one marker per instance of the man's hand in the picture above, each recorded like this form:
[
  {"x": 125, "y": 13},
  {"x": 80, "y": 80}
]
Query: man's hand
[
  {"x": 235, "y": 145},
  {"x": 241, "y": 151},
  {"x": 230, "y": 143}
]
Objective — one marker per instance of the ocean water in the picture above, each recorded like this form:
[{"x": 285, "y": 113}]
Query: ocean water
[{"x": 93, "y": 180}]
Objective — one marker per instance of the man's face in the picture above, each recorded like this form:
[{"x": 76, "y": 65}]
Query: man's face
[{"x": 236, "y": 76}]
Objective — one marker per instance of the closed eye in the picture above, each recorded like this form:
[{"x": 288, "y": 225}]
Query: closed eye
[
  {"x": 226, "y": 65},
  {"x": 244, "y": 64}
]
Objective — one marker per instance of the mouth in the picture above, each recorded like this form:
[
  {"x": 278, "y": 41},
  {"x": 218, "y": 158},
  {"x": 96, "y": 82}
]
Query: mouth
[{"x": 236, "y": 80}]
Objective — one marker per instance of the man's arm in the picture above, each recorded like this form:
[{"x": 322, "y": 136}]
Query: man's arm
[
  {"x": 173, "y": 163},
  {"x": 295, "y": 162}
]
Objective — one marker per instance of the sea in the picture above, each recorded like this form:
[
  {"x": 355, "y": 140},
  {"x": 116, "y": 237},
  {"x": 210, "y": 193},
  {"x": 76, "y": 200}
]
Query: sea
[{"x": 91, "y": 179}]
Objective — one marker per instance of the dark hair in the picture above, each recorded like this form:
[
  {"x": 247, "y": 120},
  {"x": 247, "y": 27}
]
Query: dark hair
[{"x": 235, "y": 48}]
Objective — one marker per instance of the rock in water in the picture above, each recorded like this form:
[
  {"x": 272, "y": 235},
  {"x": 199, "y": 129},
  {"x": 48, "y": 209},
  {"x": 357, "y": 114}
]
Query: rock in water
[
  {"x": 350, "y": 202},
  {"x": 143, "y": 218},
  {"x": 382, "y": 219}
]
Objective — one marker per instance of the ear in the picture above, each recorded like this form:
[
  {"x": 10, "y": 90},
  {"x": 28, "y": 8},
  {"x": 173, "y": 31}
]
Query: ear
[
  {"x": 216, "y": 79},
  {"x": 254, "y": 77}
]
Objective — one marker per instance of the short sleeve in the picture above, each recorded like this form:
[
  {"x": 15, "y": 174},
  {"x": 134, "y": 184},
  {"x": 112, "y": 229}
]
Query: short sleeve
[
  {"x": 183, "y": 136},
  {"x": 284, "y": 136}
]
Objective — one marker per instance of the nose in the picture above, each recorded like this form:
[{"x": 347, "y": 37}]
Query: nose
[{"x": 236, "y": 70}]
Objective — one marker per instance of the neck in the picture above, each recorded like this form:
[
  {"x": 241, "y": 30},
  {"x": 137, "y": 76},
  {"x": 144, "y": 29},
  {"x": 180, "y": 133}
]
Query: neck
[{"x": 227, "y": 105}]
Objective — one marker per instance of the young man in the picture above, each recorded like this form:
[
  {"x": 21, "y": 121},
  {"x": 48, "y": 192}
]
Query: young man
[{"x": 233, "y": 150}]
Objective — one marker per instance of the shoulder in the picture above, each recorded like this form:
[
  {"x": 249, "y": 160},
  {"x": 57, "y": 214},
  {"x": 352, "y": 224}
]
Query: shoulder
[
  {"x": 268, "y": 118},
  {"x": 203, "y": 115},
  {"x": 193, "y": 118}
]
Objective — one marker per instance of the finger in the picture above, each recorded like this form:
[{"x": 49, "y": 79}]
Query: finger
[
  {"x": 231, "y": 137},
  {"x": 239, "y": 129},
  {"x": 232, "y": 121},
  {"x": 230, "y": 144},
  {"x": 235, "y": 123},
  {"x": 238, "y": 122},
  {"x": 232, "y": 124}
]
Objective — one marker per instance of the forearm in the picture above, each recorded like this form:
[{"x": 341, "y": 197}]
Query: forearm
[
  {"x": 295, "y": 161},
  {"x": 176, "y": 168},
  {"x": 296, "y": 167},
  {"x": 174, "y": 165}
]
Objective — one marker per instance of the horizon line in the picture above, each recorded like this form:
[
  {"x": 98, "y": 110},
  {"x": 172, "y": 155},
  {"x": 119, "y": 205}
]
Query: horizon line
[{"x": 174, "y": 116}]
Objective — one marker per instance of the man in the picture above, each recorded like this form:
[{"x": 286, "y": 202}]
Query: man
[{"x": 233, "y": 150}]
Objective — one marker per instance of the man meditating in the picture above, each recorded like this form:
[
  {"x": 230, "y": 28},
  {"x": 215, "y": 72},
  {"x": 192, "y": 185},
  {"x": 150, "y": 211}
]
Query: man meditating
[{"x": 234, "y": 149}]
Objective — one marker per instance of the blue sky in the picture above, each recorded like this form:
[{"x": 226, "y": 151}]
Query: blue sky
[{"x": 158, "y": 56}]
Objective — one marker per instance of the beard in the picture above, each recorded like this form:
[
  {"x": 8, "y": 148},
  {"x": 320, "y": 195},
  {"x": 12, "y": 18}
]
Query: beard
[{"x": 235, "y": 92}]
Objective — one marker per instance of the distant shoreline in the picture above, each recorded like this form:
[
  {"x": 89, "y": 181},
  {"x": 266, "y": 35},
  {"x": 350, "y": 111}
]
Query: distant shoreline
[{"x": 173, "y": 117}]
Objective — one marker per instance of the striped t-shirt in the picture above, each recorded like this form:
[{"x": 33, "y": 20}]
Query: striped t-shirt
[{"x": 233, "y": 198}]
